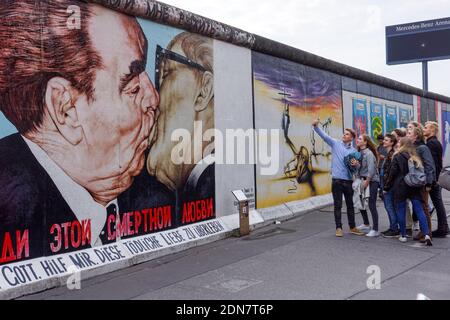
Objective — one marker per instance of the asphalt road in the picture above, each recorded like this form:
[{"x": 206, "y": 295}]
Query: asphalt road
[{"x": 300, "y": 259}]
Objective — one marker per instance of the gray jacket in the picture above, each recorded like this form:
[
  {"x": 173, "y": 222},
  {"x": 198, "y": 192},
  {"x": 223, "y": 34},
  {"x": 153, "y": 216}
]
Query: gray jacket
[
  {"x": 369, "y": 167},
  {"x": 427, "y": 158}
]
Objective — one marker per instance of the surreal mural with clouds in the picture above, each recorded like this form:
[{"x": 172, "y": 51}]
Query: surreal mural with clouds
[{"x": 288, "y": 97}]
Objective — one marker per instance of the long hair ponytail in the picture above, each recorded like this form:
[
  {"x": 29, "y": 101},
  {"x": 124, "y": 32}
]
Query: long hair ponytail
[
  {"x": 406, "y": 146},
  {"x": 371, "y": 146}
]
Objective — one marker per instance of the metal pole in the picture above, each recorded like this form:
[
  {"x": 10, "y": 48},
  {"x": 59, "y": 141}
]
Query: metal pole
[{"x": 425, "y": 76}]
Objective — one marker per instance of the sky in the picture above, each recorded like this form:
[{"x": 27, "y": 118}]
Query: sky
[{"x": 347, "y": 31}]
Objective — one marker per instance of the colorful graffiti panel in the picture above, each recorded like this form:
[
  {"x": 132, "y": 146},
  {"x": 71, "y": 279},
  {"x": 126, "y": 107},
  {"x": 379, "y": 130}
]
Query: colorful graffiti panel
[
  {"x": 377, "y": 123},
  {"x": 360, "y": 118},
  {"x": 446, "y": 135},
  {"x": 391, "y": 118},
  {"x": 405, "y": 117}
]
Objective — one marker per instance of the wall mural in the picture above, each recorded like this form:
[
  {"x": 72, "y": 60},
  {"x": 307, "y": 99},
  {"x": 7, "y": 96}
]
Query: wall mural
[
  {"x": 391, "y": 118},
  {"x": 405, "y": 117},
  {"x": 85, "y": 152},
  {"x": 445, "y": 128},
  {"x": 379, "y": 115},
  {"x": 289, "y": 97},
  {"x": 360, "y": 118},
  {"x": 376, "y": 114}
]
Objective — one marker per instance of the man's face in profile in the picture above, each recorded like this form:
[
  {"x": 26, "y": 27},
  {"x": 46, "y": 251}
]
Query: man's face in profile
[
  {"x": 347, "y": 137},
  {"x": 180, "y": 85},
  {"x": 118, "y": 121},
  {"x": 428, "y": 131}
]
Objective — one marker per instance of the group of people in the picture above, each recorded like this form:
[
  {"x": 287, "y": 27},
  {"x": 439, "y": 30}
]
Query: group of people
[{"x": 381, "y": 171}]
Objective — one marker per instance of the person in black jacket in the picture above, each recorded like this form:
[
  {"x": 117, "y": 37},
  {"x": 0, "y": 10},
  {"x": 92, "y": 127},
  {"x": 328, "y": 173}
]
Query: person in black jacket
[
  {"x": 389, "y": 143},
  {"x": 430, "y": 132},
  {"x": 417, "y": 138},
  {"x": 402, "y": 192}
]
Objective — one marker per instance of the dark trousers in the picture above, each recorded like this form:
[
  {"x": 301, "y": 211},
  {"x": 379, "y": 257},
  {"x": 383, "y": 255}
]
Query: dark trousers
[
  {"x": 343, "y": 188},
  {"x": 436, "y": 198},
  {"x": 426, "y": 209},
  {"x": 372, "y": 206}
]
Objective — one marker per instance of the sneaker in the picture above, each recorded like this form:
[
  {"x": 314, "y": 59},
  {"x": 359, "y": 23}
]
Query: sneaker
[
  {"x": 364, "y": 228},
  {"x": 409, "y": 233},
  {"x": 357, "y": 232},
  {"x": 428, "y": 241},
  {"x": 403, "y": 239},
  {"x": 373, "y": 234},
  {"x": 419, "y": 237},
  {"x": 391, "y": 234},
  {"x": 339, "y": 233},
  {"x": 439, "y": 234}
]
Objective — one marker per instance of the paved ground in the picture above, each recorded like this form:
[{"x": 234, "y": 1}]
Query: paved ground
[{"x": 300, "y": 259}]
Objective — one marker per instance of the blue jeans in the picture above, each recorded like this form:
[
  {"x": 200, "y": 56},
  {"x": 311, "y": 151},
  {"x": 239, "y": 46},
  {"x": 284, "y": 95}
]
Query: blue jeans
[
  {"x": 418, "y": 208},
  {"x": 391, "y": 211}
]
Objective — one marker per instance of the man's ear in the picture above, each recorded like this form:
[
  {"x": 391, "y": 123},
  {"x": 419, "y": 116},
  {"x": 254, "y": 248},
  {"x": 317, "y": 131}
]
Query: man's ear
[
  {"x": 206, "y": 93},
  {"x": 59, "y": 103}
]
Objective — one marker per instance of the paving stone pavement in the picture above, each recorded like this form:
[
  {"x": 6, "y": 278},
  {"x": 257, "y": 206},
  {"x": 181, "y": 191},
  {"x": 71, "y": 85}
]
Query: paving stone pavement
[{"x": 299, "y": 259}]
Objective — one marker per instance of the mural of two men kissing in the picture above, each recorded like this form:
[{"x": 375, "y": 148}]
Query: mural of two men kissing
[{"x": 90, "y": 160}]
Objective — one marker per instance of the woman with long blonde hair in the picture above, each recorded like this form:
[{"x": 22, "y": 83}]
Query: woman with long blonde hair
[{"x": 402, "y": 192}]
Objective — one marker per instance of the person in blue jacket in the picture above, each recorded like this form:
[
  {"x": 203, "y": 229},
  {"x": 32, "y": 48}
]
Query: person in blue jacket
[{"x": 342, "y": 180}]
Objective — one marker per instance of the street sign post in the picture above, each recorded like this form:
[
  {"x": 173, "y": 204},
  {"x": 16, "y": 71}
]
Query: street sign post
[{"x": 422, "y": 41}]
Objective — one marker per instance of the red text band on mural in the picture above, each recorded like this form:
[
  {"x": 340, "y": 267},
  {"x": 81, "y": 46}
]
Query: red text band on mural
[
  {"x": 196, "y": 211},
  {"x": 11, "y": 252},
  {"x": 139, "y": 222},
  {"x": 75, "y": 234},
  {"x": 70, "y": 235}
]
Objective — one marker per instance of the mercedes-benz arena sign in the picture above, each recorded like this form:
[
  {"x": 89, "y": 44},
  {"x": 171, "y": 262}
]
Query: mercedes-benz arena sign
[{"x": 418, "y": 41}]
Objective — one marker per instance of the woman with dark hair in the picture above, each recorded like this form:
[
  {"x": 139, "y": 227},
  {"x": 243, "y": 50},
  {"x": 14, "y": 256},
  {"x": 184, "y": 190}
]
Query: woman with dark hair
[
  {"x": 402, "y": 192},
  {"x": 389, "y": 143},
  {"x": 368, "y": 173}
]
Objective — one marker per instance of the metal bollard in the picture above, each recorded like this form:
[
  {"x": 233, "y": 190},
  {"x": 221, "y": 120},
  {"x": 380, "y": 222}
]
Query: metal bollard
[
  {"x": 244, "y": 219},
  {"x": 244, "y": 213}
]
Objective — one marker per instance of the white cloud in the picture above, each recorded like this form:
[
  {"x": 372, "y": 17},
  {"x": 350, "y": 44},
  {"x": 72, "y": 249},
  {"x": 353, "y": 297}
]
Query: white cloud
[{"x": 347, "y": 31}]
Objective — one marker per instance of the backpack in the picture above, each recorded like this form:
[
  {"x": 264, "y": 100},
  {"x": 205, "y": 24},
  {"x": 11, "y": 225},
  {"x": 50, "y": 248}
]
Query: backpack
[
  {"x": 444, "y": 179},
  {"x": 416, "y": 176}
]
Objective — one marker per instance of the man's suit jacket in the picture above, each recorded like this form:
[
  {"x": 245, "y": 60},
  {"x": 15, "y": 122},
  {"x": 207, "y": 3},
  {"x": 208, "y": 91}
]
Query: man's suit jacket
[
  {"x": 30, "y": 200},
  {"x": 204, "y": 188}
]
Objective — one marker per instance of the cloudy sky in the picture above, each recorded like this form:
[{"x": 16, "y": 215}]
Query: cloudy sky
[{"x": 347, "y": 31}]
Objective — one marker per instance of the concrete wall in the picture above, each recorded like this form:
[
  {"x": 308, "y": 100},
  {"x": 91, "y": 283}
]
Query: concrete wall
[{"x": 93, "y": 108}]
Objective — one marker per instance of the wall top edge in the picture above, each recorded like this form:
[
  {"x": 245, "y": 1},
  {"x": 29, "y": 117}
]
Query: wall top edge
[{"x": 169, "y": 15}]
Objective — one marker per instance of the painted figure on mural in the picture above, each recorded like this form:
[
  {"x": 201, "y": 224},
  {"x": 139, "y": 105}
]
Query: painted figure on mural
[
  {"x": 299, "y": 166},
  {"x": 84, "y": 108},
  {"x": 295, "y": 94},
  {"x": 185, "y": 79}
]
